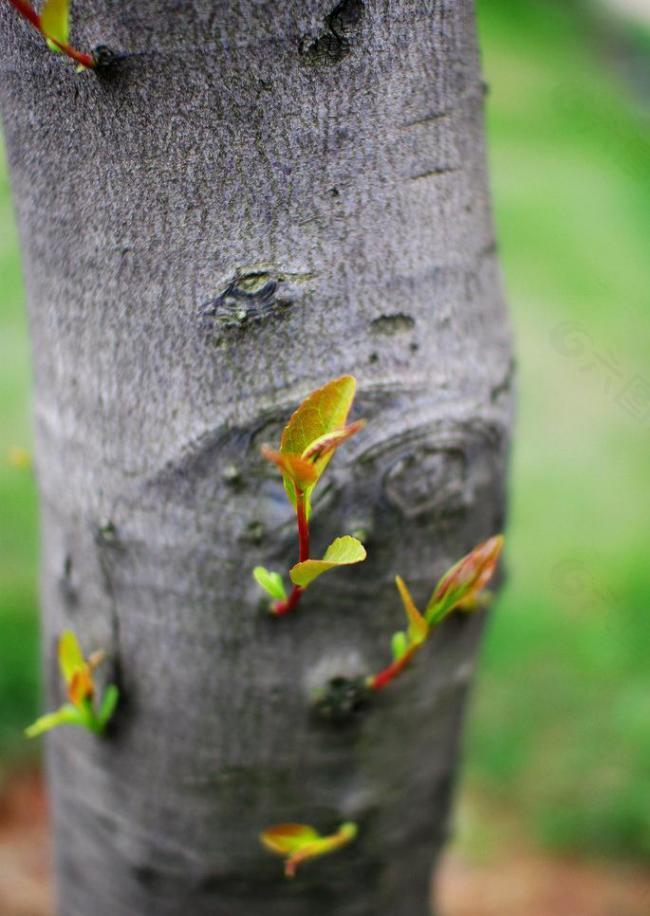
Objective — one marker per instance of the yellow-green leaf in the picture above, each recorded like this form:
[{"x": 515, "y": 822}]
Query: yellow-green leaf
[
  {"x": 418, "y": 627},
  {"x": 299, "y": 842},
  {"x": 287, "y": 838},
  {"x": 342, "y": 552},
  {"x": 70, "y": 655},
  {"x": 55, "y": 22},
  {"x": 322, "y": 412},
  {"x": 66, "y": 715},
  {"x": 271, "y": 582}
]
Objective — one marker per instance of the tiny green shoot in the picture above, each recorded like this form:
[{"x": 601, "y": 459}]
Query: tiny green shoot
[
  {"x": 77, "y": 673},
  {"x": 299, "y": 842}
]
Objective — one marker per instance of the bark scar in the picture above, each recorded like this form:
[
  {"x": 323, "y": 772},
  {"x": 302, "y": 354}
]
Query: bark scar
[
  {"x": 397, "y": 323},
  {"x": 250, "y": 297},
  {"x": 334, "y": 43},
  {"x": 108, "y": 543},
  {"x": 433, "y": 173}
]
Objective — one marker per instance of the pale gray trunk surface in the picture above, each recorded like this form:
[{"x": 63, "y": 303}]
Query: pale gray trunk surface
[{"x": 339, "y": 153}]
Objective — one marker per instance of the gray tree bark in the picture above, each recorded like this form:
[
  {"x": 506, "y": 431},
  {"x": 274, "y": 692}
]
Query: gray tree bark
[{"x": 316, "y": 176}]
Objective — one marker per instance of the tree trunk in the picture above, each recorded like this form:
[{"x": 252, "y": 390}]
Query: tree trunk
[{"x": 254, "y": 199}]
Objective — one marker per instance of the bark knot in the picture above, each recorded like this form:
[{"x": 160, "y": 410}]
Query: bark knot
[
  {"x": 397, "y": 323},
  {"x": 248, "y": 298},
  {"x": 334, "y": 43}
]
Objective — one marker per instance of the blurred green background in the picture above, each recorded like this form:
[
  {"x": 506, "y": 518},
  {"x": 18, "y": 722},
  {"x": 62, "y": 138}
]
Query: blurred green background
[{"x": 559, "y": 731}]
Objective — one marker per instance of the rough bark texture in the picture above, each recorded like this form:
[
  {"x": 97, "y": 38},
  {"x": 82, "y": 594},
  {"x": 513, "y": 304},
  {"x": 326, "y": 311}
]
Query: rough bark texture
[{"x": 257, "y": 198}]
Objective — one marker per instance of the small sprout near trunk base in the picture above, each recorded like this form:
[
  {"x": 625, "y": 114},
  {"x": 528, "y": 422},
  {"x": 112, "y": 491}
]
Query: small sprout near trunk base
[{"x": 299, "y": 842}]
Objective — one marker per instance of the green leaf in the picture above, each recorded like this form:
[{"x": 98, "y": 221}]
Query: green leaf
[
  {"x": 55, "y": 22},
  {"x": 399, "y": 645},
  {"x": 109, "y": 704},
  {"x": 271, "y": 582},
  {"x": 342, "y": 552},
  {"x": 66, "y": 715}
]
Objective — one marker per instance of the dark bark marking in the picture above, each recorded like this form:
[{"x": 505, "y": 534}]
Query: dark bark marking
[
  {"x": 433, "y": 173},
  {"x": 399, "y": 323},
  {"x": 249, "y": 298},
  {"x": 106, "y": 534},
  {"x": 232, "y": 477},
  {"x": 104, "y": 58},
  {"x": 255, "y": 532},
  {"x": 110, "y": 548},
  {"x": 429, "y": 118},
  {"x": 67, "y": 586},
  {"x": 342, "y": 701},
  {"x": 145, "y": 875},
  {"x": 505, "y": 386},
  {"x": 490, "y": 249},
  {"x": 334, "y": 43}
]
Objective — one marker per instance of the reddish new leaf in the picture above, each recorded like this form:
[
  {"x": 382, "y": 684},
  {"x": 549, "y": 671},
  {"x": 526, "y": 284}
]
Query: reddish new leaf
[
  {"x": 465, "y": 580},
  {"x": 301, "y": 473}
]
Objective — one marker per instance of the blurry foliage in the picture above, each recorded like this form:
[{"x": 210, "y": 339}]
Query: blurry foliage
[
  {"x": 559, "y": 727},
  {"x": 18, "y": 535}
]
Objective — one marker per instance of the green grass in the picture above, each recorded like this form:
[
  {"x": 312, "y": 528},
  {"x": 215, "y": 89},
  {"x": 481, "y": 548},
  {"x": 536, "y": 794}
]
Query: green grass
[{"x": 559, "y": 727}]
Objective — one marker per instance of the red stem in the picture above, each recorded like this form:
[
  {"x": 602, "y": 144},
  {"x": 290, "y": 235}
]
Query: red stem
[
  {"x": 303, "y": 527},
  {"x": 27, "y": 12},
  {"x": 284, "y": 607},
  {"x": 81, "y": 57},
  {"x": 30, "y": 14},
  {"x": 381, "y": 680}
]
